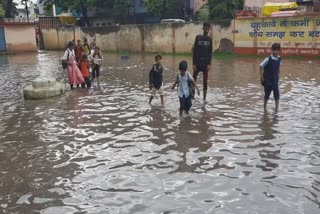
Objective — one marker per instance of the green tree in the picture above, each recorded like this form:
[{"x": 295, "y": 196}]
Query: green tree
[
  {"x": 122, "y": 6},
  {"x": 203, "y": 14},
  {"x": 1, "y": 9},
  {"x": 224, "y": 9},
  {"x": 160, "y": 8},
  {"x": 8, "y": 4}
]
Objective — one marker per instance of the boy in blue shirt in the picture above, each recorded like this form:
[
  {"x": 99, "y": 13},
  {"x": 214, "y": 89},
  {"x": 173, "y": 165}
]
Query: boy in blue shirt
[
  {"x": 269, "y": 75},
  {"x": 155, "y": 79}
]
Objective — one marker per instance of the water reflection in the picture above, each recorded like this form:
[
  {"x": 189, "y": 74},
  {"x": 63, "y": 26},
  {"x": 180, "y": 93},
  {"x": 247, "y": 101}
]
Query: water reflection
[
  {"x": 268, "y": 125},
  {"x": 105, "y": 150}
]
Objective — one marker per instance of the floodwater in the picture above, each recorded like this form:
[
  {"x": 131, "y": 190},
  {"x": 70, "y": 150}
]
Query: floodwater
[{"x": 105, "y": 150}]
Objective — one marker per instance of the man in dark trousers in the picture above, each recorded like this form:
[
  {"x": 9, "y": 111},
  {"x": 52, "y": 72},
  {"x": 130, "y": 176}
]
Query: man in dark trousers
[{"x": 202, "y": 53}]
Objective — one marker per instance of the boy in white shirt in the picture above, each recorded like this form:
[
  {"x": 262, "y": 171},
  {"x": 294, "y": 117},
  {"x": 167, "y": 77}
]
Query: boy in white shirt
[{"x": 185, "y": 82}]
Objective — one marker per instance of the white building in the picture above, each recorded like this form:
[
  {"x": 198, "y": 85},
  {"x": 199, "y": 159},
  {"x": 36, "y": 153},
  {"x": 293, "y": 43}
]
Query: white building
[{"x": 22, "y": 12}]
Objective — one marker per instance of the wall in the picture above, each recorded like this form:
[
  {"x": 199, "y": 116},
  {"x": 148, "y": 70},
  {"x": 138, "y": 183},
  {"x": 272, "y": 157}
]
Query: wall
[
  {"x": 297, "y": 35},
  {"x": 20, "y": 37},
  {"x": 165, "y": 38},
  {"x": 54, "y": 39}
]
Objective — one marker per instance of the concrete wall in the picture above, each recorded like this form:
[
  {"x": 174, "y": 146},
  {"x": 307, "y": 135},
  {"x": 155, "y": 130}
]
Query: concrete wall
[
  {"x": 20, "y": 37},
  {"x": 54, "y": 39},
  {"x": 164, "y": 38}
]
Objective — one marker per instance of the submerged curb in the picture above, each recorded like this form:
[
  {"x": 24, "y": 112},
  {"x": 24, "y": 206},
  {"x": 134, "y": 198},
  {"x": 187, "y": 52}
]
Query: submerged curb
[{"x": 43, "y": 88}]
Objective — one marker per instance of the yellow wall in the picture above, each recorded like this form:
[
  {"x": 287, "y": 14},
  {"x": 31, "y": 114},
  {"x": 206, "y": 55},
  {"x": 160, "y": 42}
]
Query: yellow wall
[
  {"x": 297, "y": 35},
  {"x": 20, "y": 38}
]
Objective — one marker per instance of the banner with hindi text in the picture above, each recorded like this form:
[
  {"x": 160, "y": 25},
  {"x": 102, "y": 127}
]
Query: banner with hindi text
[{"x": 297, "y": 35}]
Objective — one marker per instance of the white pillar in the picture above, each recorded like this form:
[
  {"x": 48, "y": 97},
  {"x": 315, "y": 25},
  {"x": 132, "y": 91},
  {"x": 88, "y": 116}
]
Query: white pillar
[{"x": 54, "y": 10}]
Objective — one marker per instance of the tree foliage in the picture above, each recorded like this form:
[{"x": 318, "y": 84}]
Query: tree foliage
[
  {"x": 224, "y": 9},
  {"x": 1, "y": 9},
  {"x": 10, "y": 8},
  {"x": 8, "y": 4},
  {"x": 203, "y": 14},
  {"x": 122, "y": 5}
]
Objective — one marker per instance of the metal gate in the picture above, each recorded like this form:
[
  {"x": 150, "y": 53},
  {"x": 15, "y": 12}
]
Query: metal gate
[{"x": 2, "y": 40}]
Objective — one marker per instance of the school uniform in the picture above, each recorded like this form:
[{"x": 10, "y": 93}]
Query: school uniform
[
  {"x": 184, "y": 94},
  {"x": 156, "y": 78},
  {"x": 271, "y": 69}
]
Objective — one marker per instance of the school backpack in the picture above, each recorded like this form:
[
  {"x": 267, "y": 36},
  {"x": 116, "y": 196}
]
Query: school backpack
[{"x": 65, "y": 62}]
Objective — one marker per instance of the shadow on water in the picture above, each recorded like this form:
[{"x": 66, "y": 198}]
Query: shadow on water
[{"x": 105, "y": 150}]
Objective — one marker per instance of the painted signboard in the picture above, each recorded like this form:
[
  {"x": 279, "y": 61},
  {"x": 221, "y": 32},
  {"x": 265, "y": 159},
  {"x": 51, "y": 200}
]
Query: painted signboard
[{"x": 297, "y": 35}]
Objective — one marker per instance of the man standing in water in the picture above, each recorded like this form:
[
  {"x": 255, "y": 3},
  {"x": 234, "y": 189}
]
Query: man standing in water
[{"x": 202, "y": 53}]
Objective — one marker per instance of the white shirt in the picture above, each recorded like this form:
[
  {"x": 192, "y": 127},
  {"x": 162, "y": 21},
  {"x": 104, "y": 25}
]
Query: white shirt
[
  {"x": 265, "y": 62},
  {"x": 67, "y": 54},
  {"x": 183, "y": 88},
  {"x": 96, "y": 60}
]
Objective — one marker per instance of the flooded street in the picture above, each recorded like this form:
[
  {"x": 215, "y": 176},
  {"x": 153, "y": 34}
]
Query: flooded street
[{"x": 106, "y": 150}]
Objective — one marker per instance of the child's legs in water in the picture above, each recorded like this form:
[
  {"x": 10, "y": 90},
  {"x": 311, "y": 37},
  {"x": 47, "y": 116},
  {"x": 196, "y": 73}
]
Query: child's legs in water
[
  {"x": 267, "y": 92},
  {"x": 185, "y": 104},
  {"x": 86, "y": 82},
  {"x": 276, "y": 95},
  {"x": 95, "y": 73},
  {"x": 161, "y": 91},
  {"x": 182, "y": 104},
  {"x": 188, "y": 104}
]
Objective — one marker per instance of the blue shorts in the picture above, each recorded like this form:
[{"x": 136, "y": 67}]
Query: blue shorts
[
  {"x": 185, "y": 103},
  {"x": 268, "y": 90}
]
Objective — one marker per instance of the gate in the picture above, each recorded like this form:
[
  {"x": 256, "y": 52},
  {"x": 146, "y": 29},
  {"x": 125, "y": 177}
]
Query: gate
[{"x": 2, "y": 40}]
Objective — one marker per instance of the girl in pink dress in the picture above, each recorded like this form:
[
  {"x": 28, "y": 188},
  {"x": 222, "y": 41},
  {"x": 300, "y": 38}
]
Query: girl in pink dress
[{"x": 74, "y": 73}]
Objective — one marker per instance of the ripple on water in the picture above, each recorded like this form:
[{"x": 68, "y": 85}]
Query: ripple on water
[{"x": 105, "y": 150}]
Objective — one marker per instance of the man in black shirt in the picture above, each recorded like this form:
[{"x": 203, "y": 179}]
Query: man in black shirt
[
  {"x": 202, "y": 53},
  {"x": 155, "y": 79}
]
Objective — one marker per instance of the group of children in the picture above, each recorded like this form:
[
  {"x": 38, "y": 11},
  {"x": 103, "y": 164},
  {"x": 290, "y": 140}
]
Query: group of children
[
  {"x": 85, "y": 56},
  {"x": 79, "y": 60},
  {"x": 269, "y": 77},
  {"x": 184, "y": 81}
]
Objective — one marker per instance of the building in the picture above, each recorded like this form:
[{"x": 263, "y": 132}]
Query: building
[
  {"x": 22, "y": 12},
  {"x": 17, "y": 36},
  {"x": 258, "y": 4},
  {"x": 304, "y": 5},
  {"x": 40, "y": 7}
]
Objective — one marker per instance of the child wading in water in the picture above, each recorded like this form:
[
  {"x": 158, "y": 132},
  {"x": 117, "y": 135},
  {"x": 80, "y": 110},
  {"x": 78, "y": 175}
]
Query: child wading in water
[
  {"x": 96, "y": 61},
  {"x": 269, "y": 75},
  {"x": 84, "y": 65},
  {"x": 184, "y": 81},
  {"x": 78, "y": 51},
  {"x": 155, "y": 79}
]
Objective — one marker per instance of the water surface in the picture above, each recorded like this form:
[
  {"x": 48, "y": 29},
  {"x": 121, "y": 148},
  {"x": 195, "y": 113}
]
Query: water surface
[{"x": 105, "y": 150}]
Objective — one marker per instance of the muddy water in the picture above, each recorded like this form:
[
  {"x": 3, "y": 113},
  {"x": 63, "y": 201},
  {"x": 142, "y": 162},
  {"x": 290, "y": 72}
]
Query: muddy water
[{"x": 107, "y": 151}]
